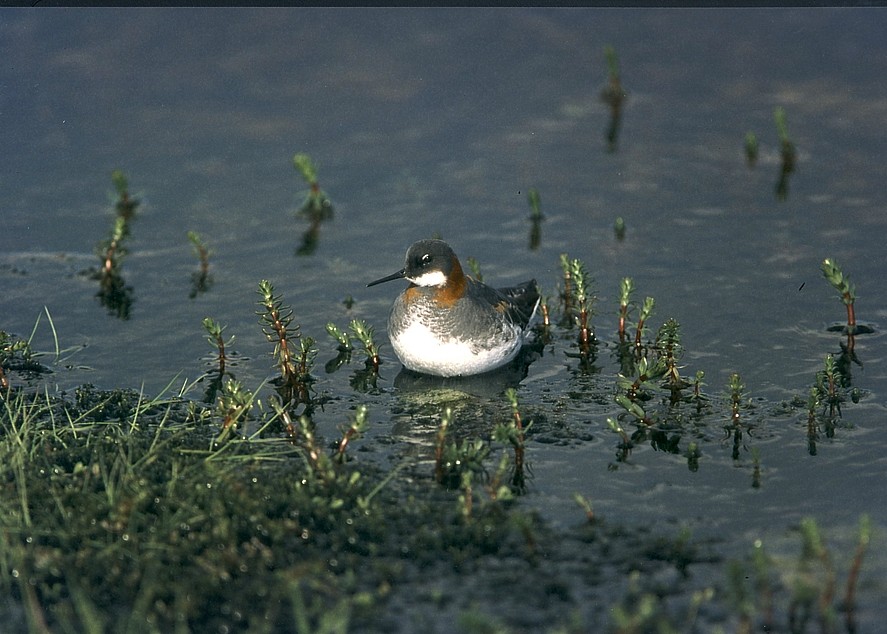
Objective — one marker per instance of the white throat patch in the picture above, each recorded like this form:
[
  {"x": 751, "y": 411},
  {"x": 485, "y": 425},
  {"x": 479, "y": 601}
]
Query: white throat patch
[{"x": 432, "y": 278}]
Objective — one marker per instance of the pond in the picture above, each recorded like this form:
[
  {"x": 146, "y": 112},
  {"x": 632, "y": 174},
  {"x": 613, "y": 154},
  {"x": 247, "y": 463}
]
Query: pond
[{"x": 439, "y": 122}]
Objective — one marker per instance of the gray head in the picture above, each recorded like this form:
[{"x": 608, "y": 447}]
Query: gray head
[{"x": 427, "y": 263}]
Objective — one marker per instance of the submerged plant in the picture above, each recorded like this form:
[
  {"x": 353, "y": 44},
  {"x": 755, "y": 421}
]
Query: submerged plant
[
  {"x": 812, "y": 424},
  {"x": 316, "y": 207},
  {"x": 625, "y": 444},
  {"x": 536, "y": 218},
  {"x": 113, "y": 293},
  {"x": 736, "y": 393},
  {"x": 440, "y": 444},
  {"x": 613, "y": 95},
  {"x": 126, "y": 205},
  {"x": 619, "y": 228},
  {"x": 585, "y": 504},
  {"x": 201, "y": 280},
  {"x": 751, "y": 149},
  {"x": 787, "y": 152}
]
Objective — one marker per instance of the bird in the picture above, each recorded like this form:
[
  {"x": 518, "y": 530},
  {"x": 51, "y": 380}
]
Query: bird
[{"x": 445, "y": 323}]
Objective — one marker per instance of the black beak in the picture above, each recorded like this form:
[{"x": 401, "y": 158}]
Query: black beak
[{"x": 394, "y": 276}]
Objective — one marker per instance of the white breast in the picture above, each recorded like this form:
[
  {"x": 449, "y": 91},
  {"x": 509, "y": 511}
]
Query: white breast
[{"x": 422, "y": 351}]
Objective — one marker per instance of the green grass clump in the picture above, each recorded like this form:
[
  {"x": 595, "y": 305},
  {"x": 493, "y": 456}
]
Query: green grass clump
[{"x": 120, "y": 514}]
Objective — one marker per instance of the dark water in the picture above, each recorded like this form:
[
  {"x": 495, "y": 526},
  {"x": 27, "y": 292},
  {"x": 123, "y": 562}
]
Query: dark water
[{"x": 439, "y": 121}]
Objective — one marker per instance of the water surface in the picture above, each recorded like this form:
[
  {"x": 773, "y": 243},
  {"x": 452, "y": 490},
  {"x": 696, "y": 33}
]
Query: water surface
[{"x": 438, "y": 122}]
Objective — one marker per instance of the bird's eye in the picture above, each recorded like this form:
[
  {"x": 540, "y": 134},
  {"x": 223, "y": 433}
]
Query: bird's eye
[{"x": 425, "y": 260}]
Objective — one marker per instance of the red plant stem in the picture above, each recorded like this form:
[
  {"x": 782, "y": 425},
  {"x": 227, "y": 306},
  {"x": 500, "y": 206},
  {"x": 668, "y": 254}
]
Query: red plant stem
[
  {"x": 637, "y": 336},
  {"x": 221, "y": 344},
  {"x": 108, "y": 265},
  {"x": 852, "y": 578},
  {"x": 584, "y": 336},
  {"x": 851, "y": 312},
  {"x": 344, "y": 442}
]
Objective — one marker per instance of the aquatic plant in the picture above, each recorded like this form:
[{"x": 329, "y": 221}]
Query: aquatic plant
[
  {"x": 787, "y": 152},
  {"x": 578, "y": 305},
  {"x": 440, "y": 444},
  {"x": 829, "y": 384},
  {"x": 585, "y": 504},
  {"x": 841, "y": 283},
  {"x": 358, "y": 426},
  {"x": 342, "y": 338},
  {"x": 862, "y": 543},
  {"x": 512, "y": 433},
  {"x": 14, "y": 352},
  {"x": 756, "y": 468},
  {"x": 294, "y": 364},
  {"x": 316, "y": 207},
  {"x": 316, "y": 204},
  {"x": 365, "y": 334},
  {"x": 812, "y": 420},
  {"x": 344, "y": 347},
  {"x": 643, "y": 316},
  {"x": 545, "y": 311},
  {"x": 567, "y": 293},
  {"x": 584, "y": 300},
  {"x": 619, "y": 228},
  {"x": 233, "y": 406},
  {"x": 362, "y": 380},
  {"x": 536, "y": 218},
  {"x": 626, "y": 289},
  {"x": 126, "y": 205},
  {"x": 613, "y": 95},
  {"x": 625, "y": 445},
  {"x": 693, "y": 455},
  {"x": 668, "y": 347},
  {"x": 474, "y": 267},
  {"x": 736, "y": 394},
  {"x": 751, "y": 149},
  {"x": 643, "y": 611},
  {"x": 201, "y": 280},
  {"x": 214, "y": 332},
  {"x": 114, "y": 294}
]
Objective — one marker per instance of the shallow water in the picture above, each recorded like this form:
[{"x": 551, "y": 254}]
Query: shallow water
[{"x": 439, "y": 121}]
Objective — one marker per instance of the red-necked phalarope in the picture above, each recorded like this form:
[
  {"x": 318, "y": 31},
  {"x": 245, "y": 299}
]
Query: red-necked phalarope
[{"x": 448, "y": 324}]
